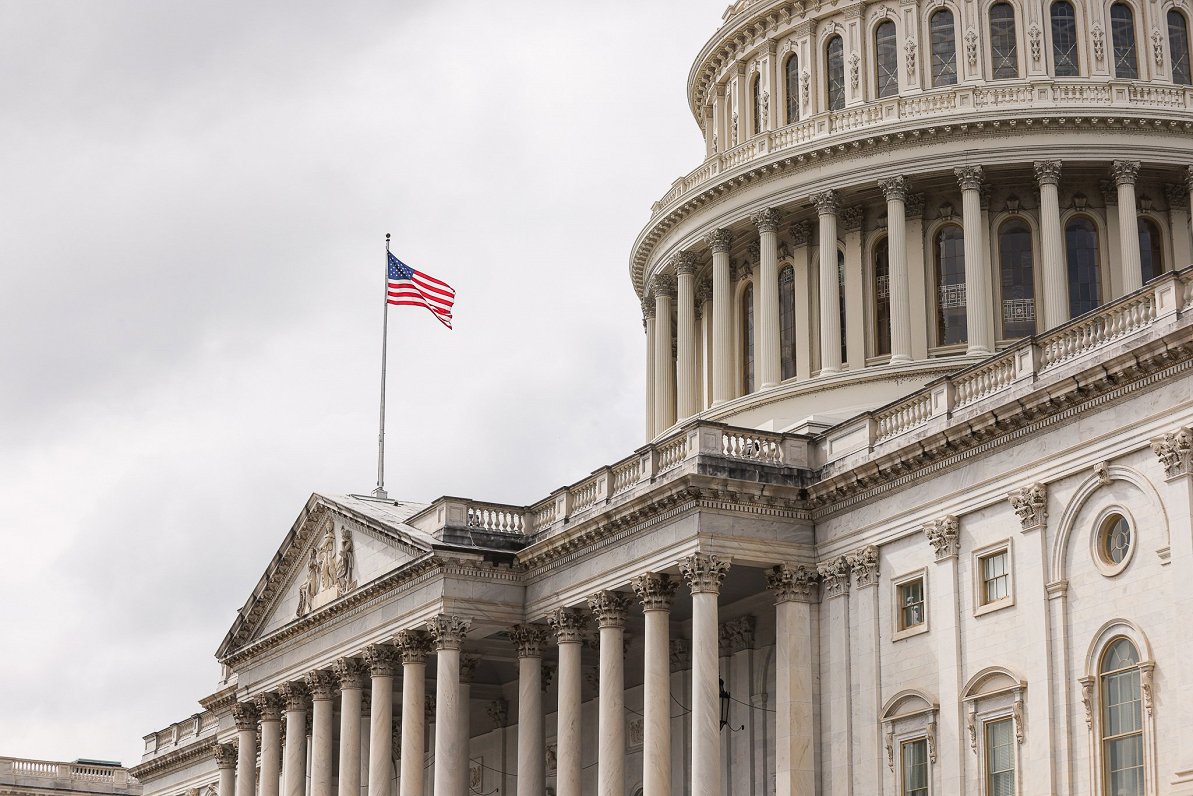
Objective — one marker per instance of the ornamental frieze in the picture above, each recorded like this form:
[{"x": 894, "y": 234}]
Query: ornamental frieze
[{"x": 330, "y": 571}]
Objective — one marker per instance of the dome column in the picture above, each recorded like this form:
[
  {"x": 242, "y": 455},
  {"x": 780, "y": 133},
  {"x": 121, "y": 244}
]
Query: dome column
[
  {"x": 1055, "y": 306},
  {"x": 704, "y": 574},
  {"x": 895, "y": 191},
  {"x": 977, "y": 296},
  {"x": 766, "y": 334},
  {"x": 664, "y": 362},
  {"x": 648, "y": 324},
  {"x": 568, "y": 624},
  {"x": 830, "y": 289},
  {"x": 722, "y": 313},
  {"x": 685, "y": 373},
  {"x": 1125, "y": 173}
]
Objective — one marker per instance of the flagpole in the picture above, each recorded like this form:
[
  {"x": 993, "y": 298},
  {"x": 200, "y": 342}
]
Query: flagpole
[{"x": 379, "y": 492}]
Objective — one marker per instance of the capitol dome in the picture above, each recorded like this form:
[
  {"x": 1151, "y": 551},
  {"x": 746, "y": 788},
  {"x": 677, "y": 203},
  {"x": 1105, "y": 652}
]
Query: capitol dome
[{"x": 985, "y": 172}]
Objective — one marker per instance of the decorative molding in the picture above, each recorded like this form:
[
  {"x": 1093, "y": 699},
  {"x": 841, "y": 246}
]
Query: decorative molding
[
  {"x": 382, "y": 659},
  {"x": 971, "y": 47},
  {"x": 680, "y": 650},
  {"x": 1087, "y": 695},
  {"x": 704, "y": 572},
  {"x": 851, "y": 219},
  {"x": 569, "y": 625},
  {"x": 1035, "y": 37},
  {"x": 1098, "y": 37},
  {"x": 1145, "y": 684},
  {"x": 1031, "y": 505},
  {"x": 225, "y": 755},
  {"x": 909, "y": 47},
  {"x": 969, "y": 178},
  {"x": 413, "y": 646},
  {"x": 1175, "y": 451},
  {"x": 686, "y": 262},
  {"x": 1047, "y": 171},
  {"x": 468, "y": 664},
  {"x": 736, "y": 635},
  {"x": 448, "y": 630},
  {"x": 350, "y": 672},
  {"x": 827, "y": 202},
  {"x": 1158, "y": 47},
  {"x": 894, "y": 188},
  {"x": 915, "y": 205},
  {"x": 610, "y": 608},
  {"x": 529, "y": 639},
  {"x": 944, "y": 536},
  {"x": 330, "y": 573},
  {"x": 655, "y": 591},
  {"x": 1177, "y": 196},
  {"x": 295, "y": 695},
  {"x": 1125, "y": 172},
  {"x": 245, "y": 716},
  {"x": 792, "y": 583},
  {"x": 269, "y": 706},
  {"x": 834, "y": 574},
  {"x": 864, "y": 564},
  {"x": 662, "y": 286},
  {"x": 321, "y": 683},
  {"x": 1102, "y": 473},
  {"x": 767, "y": 220},
  {"x": 719, "y": 240},
  {"x": 801, "y": 233}
]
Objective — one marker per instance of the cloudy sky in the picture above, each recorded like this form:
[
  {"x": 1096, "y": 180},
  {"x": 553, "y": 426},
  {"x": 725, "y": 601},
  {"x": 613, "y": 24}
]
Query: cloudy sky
[{"x": 193, "y": 203}]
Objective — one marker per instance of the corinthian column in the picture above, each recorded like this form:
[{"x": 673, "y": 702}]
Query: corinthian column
[
  {"x": 413, "y": 646},
  {"x": 1054, "y": 309},
  {"x": 225, "y": 761},
  {"x": 649, "y": 325},
  {"x": 722, "y": 314},
  {"x": 269, "y": 708},
  {"x": 350, "y": 672},
  {"x": 1125, "y": 172},
  {"x": 795, "y": 591},
  {"x": 769, "y": 369},
  {"x": 656, "y": 592},
  {"x": 704, "y": 574},
  {"x": 322, "y": 685},
  {"x": 977, "y": 298},
  {"x": 895, "y": 191},
  {"x": 529, "y": 640},
  {"x": 830, "y": 288},
  {"x": 568, "y": 624},
  {"x": 294, "y": 765},
  {"x": 451, "y": 750},
  {"x": 382, "y": 661},
  {"x": 609, "y": 608},
  {"x": 664, "y": 362},
  {"x": 245, "y": 715},
  {"x": 685, "y": 378}
]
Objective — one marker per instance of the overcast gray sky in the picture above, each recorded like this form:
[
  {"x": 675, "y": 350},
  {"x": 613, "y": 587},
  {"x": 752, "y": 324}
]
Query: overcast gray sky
[{"x": 193, "y": 203}]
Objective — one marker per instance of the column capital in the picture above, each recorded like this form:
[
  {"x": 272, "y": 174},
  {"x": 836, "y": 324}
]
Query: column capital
[
  {"x": 1189, "y": 178},
  {"x": 944, "y": 536},
  {"x": 448, "y": 630},
  {"x": 225, "y": 755},
  {"x": 1031, "y": 505},
  {"x": 1047, "y": 171},
  {"x": 381, "y": 660},
  {"x": 609, "y": 608},
  {"x": 864, "y": 564},
  {"x": 704, "y": 572},
  {"x": 915, "y": 205},
  {"x": 655, "y": 591},
  {"x": 827, "y": 202},
  {"x": 736, "y": 635},
  {"x": 801, "y": 233},
  {"x": 245, "y": 715},
  {"x": 321, "y": 683},
  {"x": 703, "y": 292},
  {"x": 792, "y": 583},
  {"x": 529, "y": 639},
  {"x": 269, "y": 706},
  {"x": 662, "y": 285},
  {"x": 648, "y": 308},
  {"x": 568, "y": 624},
  {"x": 766, "y": 219},
  {"x": 1177, "y": 196},
  {"x": 1109, "y": 192},
  {"x": 295, "y": 695},
  {"x": 895, "y": 188},
  {"x": 350, "y": 672},
  {"x": 1125, "y": 171},
  {"x": 1175, "y": 451},
  {"x": 719, "y": 240},
  {"x": 413, "y": 645},
  {"x": 468, "y": 663},
  {"x": 969, "y": 178},
  {"x": 851, "y": 219},
  {"x": 686, "y": 263},
  {"x": 835, "y": 575}
]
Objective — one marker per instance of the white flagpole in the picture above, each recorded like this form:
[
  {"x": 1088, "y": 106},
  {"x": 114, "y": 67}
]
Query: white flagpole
[{"x": 379, "y": 492}]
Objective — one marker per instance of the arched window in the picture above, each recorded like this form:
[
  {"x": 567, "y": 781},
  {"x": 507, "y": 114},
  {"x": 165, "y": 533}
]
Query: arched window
[
  {"x": 944, "y": 48},
  {"x": 950, "y": 285},
  {"x": 835, "y": 55},
  {"x": 1122, "y": 34},
  {"x": 787, "y": 322},
  {"x": 747, "y": 337},
  {"x": 1178, "y": 48},
  {"x": 792, "y": 89},
  {"x": 886, "y": 61},
  {"x": 1064, "y": 39},
  {"x": 1004, "y": 54},
  {"x": 1122, "y": 720},
  {"x": 756, "y": 91},
  {"x": 841, "y": 300},
  {"x": 882, "y": 299},
  {"x": 1151, "y": 257},
  {"x": 1016, "y": 272},
  {"x": 1081, "y": 255}
]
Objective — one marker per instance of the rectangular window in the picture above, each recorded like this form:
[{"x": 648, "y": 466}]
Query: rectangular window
[
  {"x": 996, "y": 578},
  {"x": 915, "y": 768},
  {"x": 1000, "y": 758},
  {"x": 911, "y": 603}
]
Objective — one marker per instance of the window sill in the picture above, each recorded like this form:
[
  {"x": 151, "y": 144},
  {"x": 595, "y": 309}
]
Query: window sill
[
  {"x": 997, "y": 605},
  {"x": 916, "y": 630}
]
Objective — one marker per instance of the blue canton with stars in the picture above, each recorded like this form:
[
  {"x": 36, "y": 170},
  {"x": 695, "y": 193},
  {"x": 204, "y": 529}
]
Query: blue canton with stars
[{"x": 399, "y": 269}]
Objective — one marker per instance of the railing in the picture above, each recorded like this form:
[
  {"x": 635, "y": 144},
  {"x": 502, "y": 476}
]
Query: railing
[
  {"x": 974, "y": 385},
  {"x": 1091, "y": 332},
  {"x": 909, "y": 413},
  {"x": 76, "y": 772},
  {"x": 626, "y": 476},
  {"x": 495, "y": 518},
  {"x": 753, "y": 446},
  {"x": 671, "y": 454}
]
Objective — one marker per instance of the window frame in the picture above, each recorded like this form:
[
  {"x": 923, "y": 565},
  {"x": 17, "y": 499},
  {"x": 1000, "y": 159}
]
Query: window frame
[
  {"x": 748, "y": 330},
  {"x": 932, "y": 261},
  {"x": 1091, "y": 694},
  {"x": 993, "y": 694},
  {"x": 878, "y": 70},
  {"x": 1016, "y": 55},
  {"x": 877, "y": 249},
  {"x": 790, "y": 350},
  {"x": 1185, "y": 48},
  {"x": 902, "y": 775},
  {"x": 792, "y": 98},
  {"x": 898, "y": 632},
  {"x": 931, "y": 73},
  {"x": 827, "y": 83},
  {"x": 1102, "y": 563},
  {"x": 981, "y": 605},
  {"x": 1160, "y": 245},
  {"x": 1100, "y": 243},
  {"x": 984, "y": 755},
  {"x": 1137, "y": 63},
  {"x": 997, "y": 224},
  {"x": 1077, "y": 42}
]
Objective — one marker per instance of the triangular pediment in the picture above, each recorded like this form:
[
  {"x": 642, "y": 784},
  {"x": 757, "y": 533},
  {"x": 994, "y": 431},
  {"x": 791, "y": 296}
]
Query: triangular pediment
[{"x": 338, "y": 545}]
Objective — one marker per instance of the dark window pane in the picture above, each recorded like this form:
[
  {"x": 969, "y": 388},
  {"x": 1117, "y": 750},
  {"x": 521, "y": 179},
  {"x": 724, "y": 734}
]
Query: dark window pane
[
  {"x": 1122, "y": 30},
  {"x": 1081, "y": 254},
  {"x": 887, "y": 63},
  {"x": 787, "y": 321},
  {"x": 1064, "y": 39},
  {"x": 882, "y": 299},
  {"x": 950, "y": 286},
  {"x": 841, "y": 299},
  {"x": 757, "y": 115},
  {"x": 1004, "y": 56},
  {"x": 1151, "y": 259},
  {"x": 944, "y": 48},
  {"x": 792, "y": 89},
  {"x": 1018, "y": 285},
  {"x": 836, "y": 74},
  {"x": 747, "y": 336},
  {"x": 1178, "y": 47}
]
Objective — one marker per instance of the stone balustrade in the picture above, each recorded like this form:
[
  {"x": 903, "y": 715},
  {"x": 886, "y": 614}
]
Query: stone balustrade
[{"x": 64, "y": 775}]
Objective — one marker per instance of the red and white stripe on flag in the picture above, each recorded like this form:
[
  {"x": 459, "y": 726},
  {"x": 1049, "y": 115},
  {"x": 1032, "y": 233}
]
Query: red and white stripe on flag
[{"x": 410, "y": 288}]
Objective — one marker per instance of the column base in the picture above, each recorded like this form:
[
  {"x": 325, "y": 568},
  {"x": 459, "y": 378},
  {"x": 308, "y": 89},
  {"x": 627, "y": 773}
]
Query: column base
[
  {"x": 900, "y": 359},
  {"x": 978, "y": 350},
  {"x": 828, "y": 372}
]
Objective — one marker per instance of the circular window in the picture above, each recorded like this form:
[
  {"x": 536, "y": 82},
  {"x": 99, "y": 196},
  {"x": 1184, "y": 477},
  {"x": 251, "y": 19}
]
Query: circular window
[{"x": 1113, "y": 544}]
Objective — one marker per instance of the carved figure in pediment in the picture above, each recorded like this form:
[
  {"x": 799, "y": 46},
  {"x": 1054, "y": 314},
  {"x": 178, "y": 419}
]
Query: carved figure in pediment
[
  {"x": 330, "y": 573},
  {"x": 345, "y": 563},
  {"x": 327, "y": 559}
]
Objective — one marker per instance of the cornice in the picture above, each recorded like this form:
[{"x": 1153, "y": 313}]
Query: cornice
[
  {"x": 174, "y": 760},
  {"x": 221, "y": 701}
]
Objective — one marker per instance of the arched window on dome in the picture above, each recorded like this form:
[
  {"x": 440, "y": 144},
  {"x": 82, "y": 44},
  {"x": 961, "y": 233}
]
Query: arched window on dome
[
  {"x": 1121, "y": 719},
  {"x": 1004, "y": 52},
  {"x": 1122, "y": 34},
  {"x": 792, "y": 72},
  {"x": 747, "y": 338},
  {"x": 1064, "y": 39},
  {"x": 1151, "y": 254},
  {"x": 787, "y": 322},
  {"x": 841, "y": 302},
  {"x": 1016, "y": 270},
  {"x": 886, "y": 61},
  {"x": 943, "y": 40},
  {"x": 949, "y": 250},
  {"x": 757, "y": 121},
  {"x": 882, "y": 298},
  {"x": 835, "y": 60},
  {"x": 1085, "y": 273},
  {"x": 1178, "y": 48}
]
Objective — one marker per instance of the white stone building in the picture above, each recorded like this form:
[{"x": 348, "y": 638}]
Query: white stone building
[
  {"x": 23, "y": 777},
  {"x": 914, "y": 514}
]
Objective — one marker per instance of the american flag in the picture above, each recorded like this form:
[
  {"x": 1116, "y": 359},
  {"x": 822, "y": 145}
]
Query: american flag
[{"x": 415, "y": 289}]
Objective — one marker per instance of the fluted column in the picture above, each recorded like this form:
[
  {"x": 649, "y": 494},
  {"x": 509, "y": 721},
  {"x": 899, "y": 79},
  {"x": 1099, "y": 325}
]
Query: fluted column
[
  {"x": 269, "y": 708},
  {"x": 704, "y": 574},
  {"x": 767, "y": 336},
  {"x": 656, "y": 593},
  {"x": 529, "y": 640},
  {"x": 350, "y": 674},
  {"x": 412, "y": 647},
  {"x": 1125, "y": 172},
  {"x": 294, "y": 762},
  {"x": 245, "y": 715},
  {"x": 382, "y": 660},
  {"x": 664, "y": 362},
  {"x": 1054, "y": 309},
  {"x": 322, "y": 685},
  {"x": 609, "y": 608},
  {"x": 837, "y": 721},
  {"x": 977, "y": 297},
  {"x": 795, "y": 766},
  {"x": 898, "y": 291},
  {"x": 568, "y": 624},
  {"x": 225, "y": 761},
  {"x": 722, "y": 317},
  {"x": 451, "y": 752},
  {"x": 648, "y": 323},
  {"x": 685, "y": 369},
  {"x": 468, "y": 664},
  {"x": 827, "y": 204}
]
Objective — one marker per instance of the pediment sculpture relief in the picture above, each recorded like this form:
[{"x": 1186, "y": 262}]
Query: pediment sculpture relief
[{"x": 330, "y": 572}]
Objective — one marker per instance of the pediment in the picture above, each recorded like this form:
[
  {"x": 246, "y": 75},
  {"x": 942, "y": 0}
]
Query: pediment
[{"x": 337, "y": 545}]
